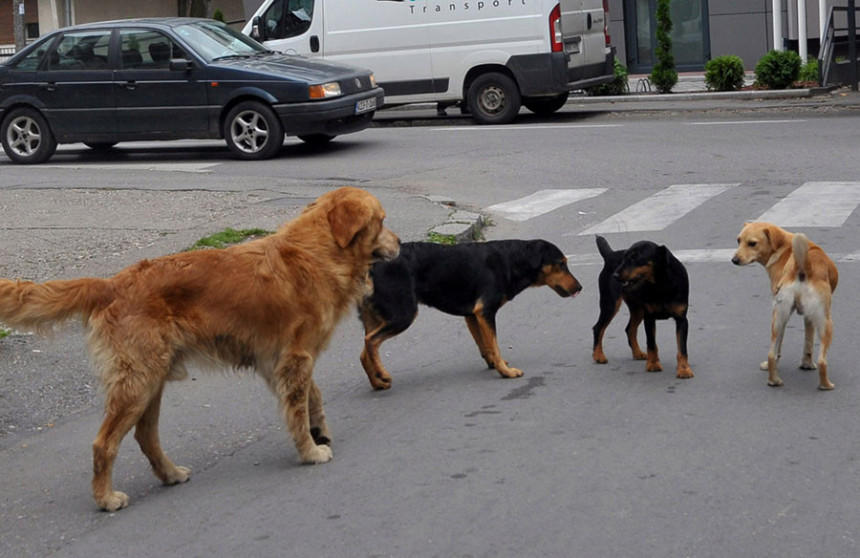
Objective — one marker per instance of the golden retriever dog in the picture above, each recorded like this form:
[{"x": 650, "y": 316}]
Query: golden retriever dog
[
  {"x": 270, "y": 305},
  {"x": 802, "y": 278}
]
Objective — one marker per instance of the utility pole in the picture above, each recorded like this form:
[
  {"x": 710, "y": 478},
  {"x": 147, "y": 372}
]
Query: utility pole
[
  {"x": 18, "y": 23},
  {"x": 852, "y": 43}
]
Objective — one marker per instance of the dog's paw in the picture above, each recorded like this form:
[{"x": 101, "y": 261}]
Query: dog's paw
[
  {"x": 317, "y": 455},
  {"x": 178, "y": 475},
  {"x": 653, "y": 366},
  {"x": 685, "y": 372},
  {"x": 599, "y": 356},
  {"x": 808, "y": 366},
  {"x": 776, "y": 382},
  {"x": 639, "y": 355},
  {"x": 763, "y": 365},
  {"x": 114, "y": 501},
  {"x": 827, "y": 387},
  {"x": 380, "y": 381},
  {"x": 510, "y": 372}
]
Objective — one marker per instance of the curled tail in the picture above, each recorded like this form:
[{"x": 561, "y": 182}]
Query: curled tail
[
  {"x": 603, "y": 247},
  {"x": 800, "y": 249},
  {"x": 36, "y": 306}
]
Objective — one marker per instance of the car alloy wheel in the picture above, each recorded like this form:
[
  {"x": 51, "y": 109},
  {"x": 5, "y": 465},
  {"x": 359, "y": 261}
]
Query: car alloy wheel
[
  {"x": 253, "y": 131},
  {"x": 26, "y": 137}
]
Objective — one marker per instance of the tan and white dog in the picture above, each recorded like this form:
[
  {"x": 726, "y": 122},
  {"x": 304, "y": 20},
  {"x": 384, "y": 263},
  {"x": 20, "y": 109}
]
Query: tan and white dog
[{"x": 802, "y": 278}]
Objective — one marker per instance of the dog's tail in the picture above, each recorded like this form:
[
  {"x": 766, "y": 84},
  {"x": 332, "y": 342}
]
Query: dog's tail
[
  {"x": 603, "y": 247},
  {"x": 36, "y": 306},
  {"x": 800, "y": 249}
]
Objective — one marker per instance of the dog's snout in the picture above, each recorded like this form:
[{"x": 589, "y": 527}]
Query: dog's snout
[{"x": 736, "y": 260}]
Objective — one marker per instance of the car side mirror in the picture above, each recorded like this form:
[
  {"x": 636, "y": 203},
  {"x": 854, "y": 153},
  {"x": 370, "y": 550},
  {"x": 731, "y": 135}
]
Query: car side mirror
[
  {"x": 180, "y": 65},
  {"x": 257, "y": 30}
]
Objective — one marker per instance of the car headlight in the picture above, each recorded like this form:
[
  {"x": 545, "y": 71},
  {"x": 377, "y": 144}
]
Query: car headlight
[
  {"x": 372, "y": 81},
  {"x": 324, "y": 91}
]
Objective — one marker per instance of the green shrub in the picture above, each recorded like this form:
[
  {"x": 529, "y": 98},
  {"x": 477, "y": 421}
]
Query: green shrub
[
  {"x": 664, "y": 76},
  {"x": 218, "y": 15},
  {"x": 618, "y": 86},
  {"x": 809, "y": 71},
  {"x": 724, "y": 73},
  {"x": 777, "y": 69}
]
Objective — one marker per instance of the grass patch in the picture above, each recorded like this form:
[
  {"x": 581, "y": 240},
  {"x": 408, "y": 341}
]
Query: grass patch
[
  {"x": 228, "y": 237},
  {"x": 5, "y": 333},
  {"x": 437, "y": 238}
]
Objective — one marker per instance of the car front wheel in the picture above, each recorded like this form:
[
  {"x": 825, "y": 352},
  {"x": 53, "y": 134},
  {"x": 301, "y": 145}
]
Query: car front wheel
[
  {"x": 26, "y": 137},
  {"x": 253, "y": 131}
]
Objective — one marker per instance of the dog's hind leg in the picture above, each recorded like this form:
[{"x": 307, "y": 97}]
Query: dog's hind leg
[
  {"x": 475, "y": 330},
  {"x": 146, "y": 434},
  {"x": 808, "y": 342},
  {"x": 781, "y": 313},
  {"x": 319, "y": 428},
  {"x": 826, "y": 335},
  {"x": 637, "y": 314},
  {"x": 129, "y": 394},
  {"x": 681, "y": 330},
  {"x": 608, "y": 310},
  {"x": 653, "y": 362},
  {"x": 292, "y": 383}
]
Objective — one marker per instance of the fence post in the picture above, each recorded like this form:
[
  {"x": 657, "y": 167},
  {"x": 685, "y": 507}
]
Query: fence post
[{"x": 852, "y": 43}]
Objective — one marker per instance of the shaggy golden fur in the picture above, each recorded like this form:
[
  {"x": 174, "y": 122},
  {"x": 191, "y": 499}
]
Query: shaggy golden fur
[
  {"x": 802, "y": 278},
  {"x": 270, "y": 304}
]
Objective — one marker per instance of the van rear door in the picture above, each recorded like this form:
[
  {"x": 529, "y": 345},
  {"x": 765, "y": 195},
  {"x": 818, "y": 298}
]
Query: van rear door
[{"x": 582, "y": 23}]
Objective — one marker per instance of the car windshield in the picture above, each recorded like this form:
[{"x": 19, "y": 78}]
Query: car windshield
[{"x": 213, "y": 40}]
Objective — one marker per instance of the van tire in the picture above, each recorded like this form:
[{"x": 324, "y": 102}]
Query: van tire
[
  {"x": 493, "y": 98},
  {"x": 544, "y": 106}
]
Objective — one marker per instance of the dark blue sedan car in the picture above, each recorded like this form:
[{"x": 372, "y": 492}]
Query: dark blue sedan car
[{"x": 173, "y": 78}]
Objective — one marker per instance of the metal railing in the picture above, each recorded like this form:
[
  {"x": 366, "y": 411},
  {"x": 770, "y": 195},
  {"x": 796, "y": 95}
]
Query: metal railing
[
  {"x": 839, "y": 41},
  {"x": 6, "y": 52}
]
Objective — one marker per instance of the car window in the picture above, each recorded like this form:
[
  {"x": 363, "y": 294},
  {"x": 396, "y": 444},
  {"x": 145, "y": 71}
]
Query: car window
[
  {"x": 288, "y": 18},
  {"x": 147, "y": 50},
  {"x": 81, "y": 50},
  {"x": 213, "y": 40},
  {"x": 30, "y": 63}
]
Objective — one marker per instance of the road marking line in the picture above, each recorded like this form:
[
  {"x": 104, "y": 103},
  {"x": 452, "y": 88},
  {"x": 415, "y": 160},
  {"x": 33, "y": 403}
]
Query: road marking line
[
  {"x": 660, "y": 210},
  {"x": 542, "y": 201},
  {"x": 521, "y": 127},
  {"x": 169, "y": 167},
  {"x": 718, "y": 255},
  {"x": 815, "y": 204},
  {"x": 730, "y": 122}
]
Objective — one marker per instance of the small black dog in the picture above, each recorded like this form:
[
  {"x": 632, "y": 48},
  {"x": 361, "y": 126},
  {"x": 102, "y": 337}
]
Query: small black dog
[
  {"x": 655, "y": 286},
  {"x": 469, "y": 280}
]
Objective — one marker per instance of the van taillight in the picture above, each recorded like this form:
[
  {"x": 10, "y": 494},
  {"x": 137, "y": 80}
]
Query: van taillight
[
  {"x": 555, "y": 39},
  {"x": 606, "y": 22}
]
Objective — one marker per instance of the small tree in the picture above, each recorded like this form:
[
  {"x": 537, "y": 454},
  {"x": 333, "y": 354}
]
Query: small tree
[{"x": 664, "y": 76}]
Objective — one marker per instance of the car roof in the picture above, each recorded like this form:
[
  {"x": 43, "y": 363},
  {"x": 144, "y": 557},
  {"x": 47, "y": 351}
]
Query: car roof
[{"x": 151, "y": 21}]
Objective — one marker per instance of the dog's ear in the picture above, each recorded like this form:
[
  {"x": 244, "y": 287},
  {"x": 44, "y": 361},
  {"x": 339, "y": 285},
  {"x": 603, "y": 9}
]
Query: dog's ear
[
  {"x": 774, "y": 238},
  {"x": 663, "y": 255},
  {"x": 346, "y": 219}
]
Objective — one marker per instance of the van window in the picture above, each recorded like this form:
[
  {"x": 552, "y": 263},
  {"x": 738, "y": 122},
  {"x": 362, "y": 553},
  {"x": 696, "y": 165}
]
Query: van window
[{"x": 288, "y": 18}]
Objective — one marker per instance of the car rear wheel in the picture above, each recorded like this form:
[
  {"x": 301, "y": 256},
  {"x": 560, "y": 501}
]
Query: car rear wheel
[
  {"x": 544, "y": 106},
  {"x": 316, "y": 139},
  {"x": 253, "y": 131},
  {"x": 26, "y": 137},
  {"x": 493, "y": 98},
  {"x": 100, "y": 145}
]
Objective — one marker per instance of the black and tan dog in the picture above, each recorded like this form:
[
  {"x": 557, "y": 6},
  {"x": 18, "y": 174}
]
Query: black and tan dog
[
  {"x": 655, "y": 286},
  {"x": 469, "y": 280}
]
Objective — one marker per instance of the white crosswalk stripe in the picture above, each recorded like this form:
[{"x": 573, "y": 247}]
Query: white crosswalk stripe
[
  {"x": 542, "y": 201},
  {"x": 815, "y": 204},
  {"x": 660, "y": 210}
]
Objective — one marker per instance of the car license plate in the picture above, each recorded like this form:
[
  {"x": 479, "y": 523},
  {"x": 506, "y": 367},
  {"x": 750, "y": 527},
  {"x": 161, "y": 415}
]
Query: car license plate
[{"x": 365, "y": 105}]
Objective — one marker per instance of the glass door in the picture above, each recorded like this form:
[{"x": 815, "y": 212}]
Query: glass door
[{"x": 690, "y": 34}]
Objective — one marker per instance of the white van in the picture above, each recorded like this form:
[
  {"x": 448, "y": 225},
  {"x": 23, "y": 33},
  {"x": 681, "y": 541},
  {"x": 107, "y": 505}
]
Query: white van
[{"x": 491, "y": 56}]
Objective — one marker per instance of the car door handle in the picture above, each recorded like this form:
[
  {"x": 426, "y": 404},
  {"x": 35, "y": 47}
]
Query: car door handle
[
  {"x": 131, "y": 85},
  {"x": 50, "y": 86}
]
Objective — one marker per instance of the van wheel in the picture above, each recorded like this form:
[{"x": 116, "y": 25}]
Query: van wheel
[
  {"x": 544, "y": 106},
  {"x": 26, "y": 137},
  {"x": 253, "y": 131},
  {"x": 493, "y": 98}
]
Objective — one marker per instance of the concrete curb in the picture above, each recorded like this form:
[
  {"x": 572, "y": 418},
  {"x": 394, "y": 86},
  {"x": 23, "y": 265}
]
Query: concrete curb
[{"x": 461, "y": 226}]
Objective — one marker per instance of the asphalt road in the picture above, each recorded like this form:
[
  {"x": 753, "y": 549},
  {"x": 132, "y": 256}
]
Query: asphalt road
[{"x": 573, "y": 459}]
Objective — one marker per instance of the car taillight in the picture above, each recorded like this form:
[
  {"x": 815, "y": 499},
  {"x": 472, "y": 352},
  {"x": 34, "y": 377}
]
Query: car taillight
[
  {"x": 606, "y": 22},
  {"x": 555, "y": 39}
]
